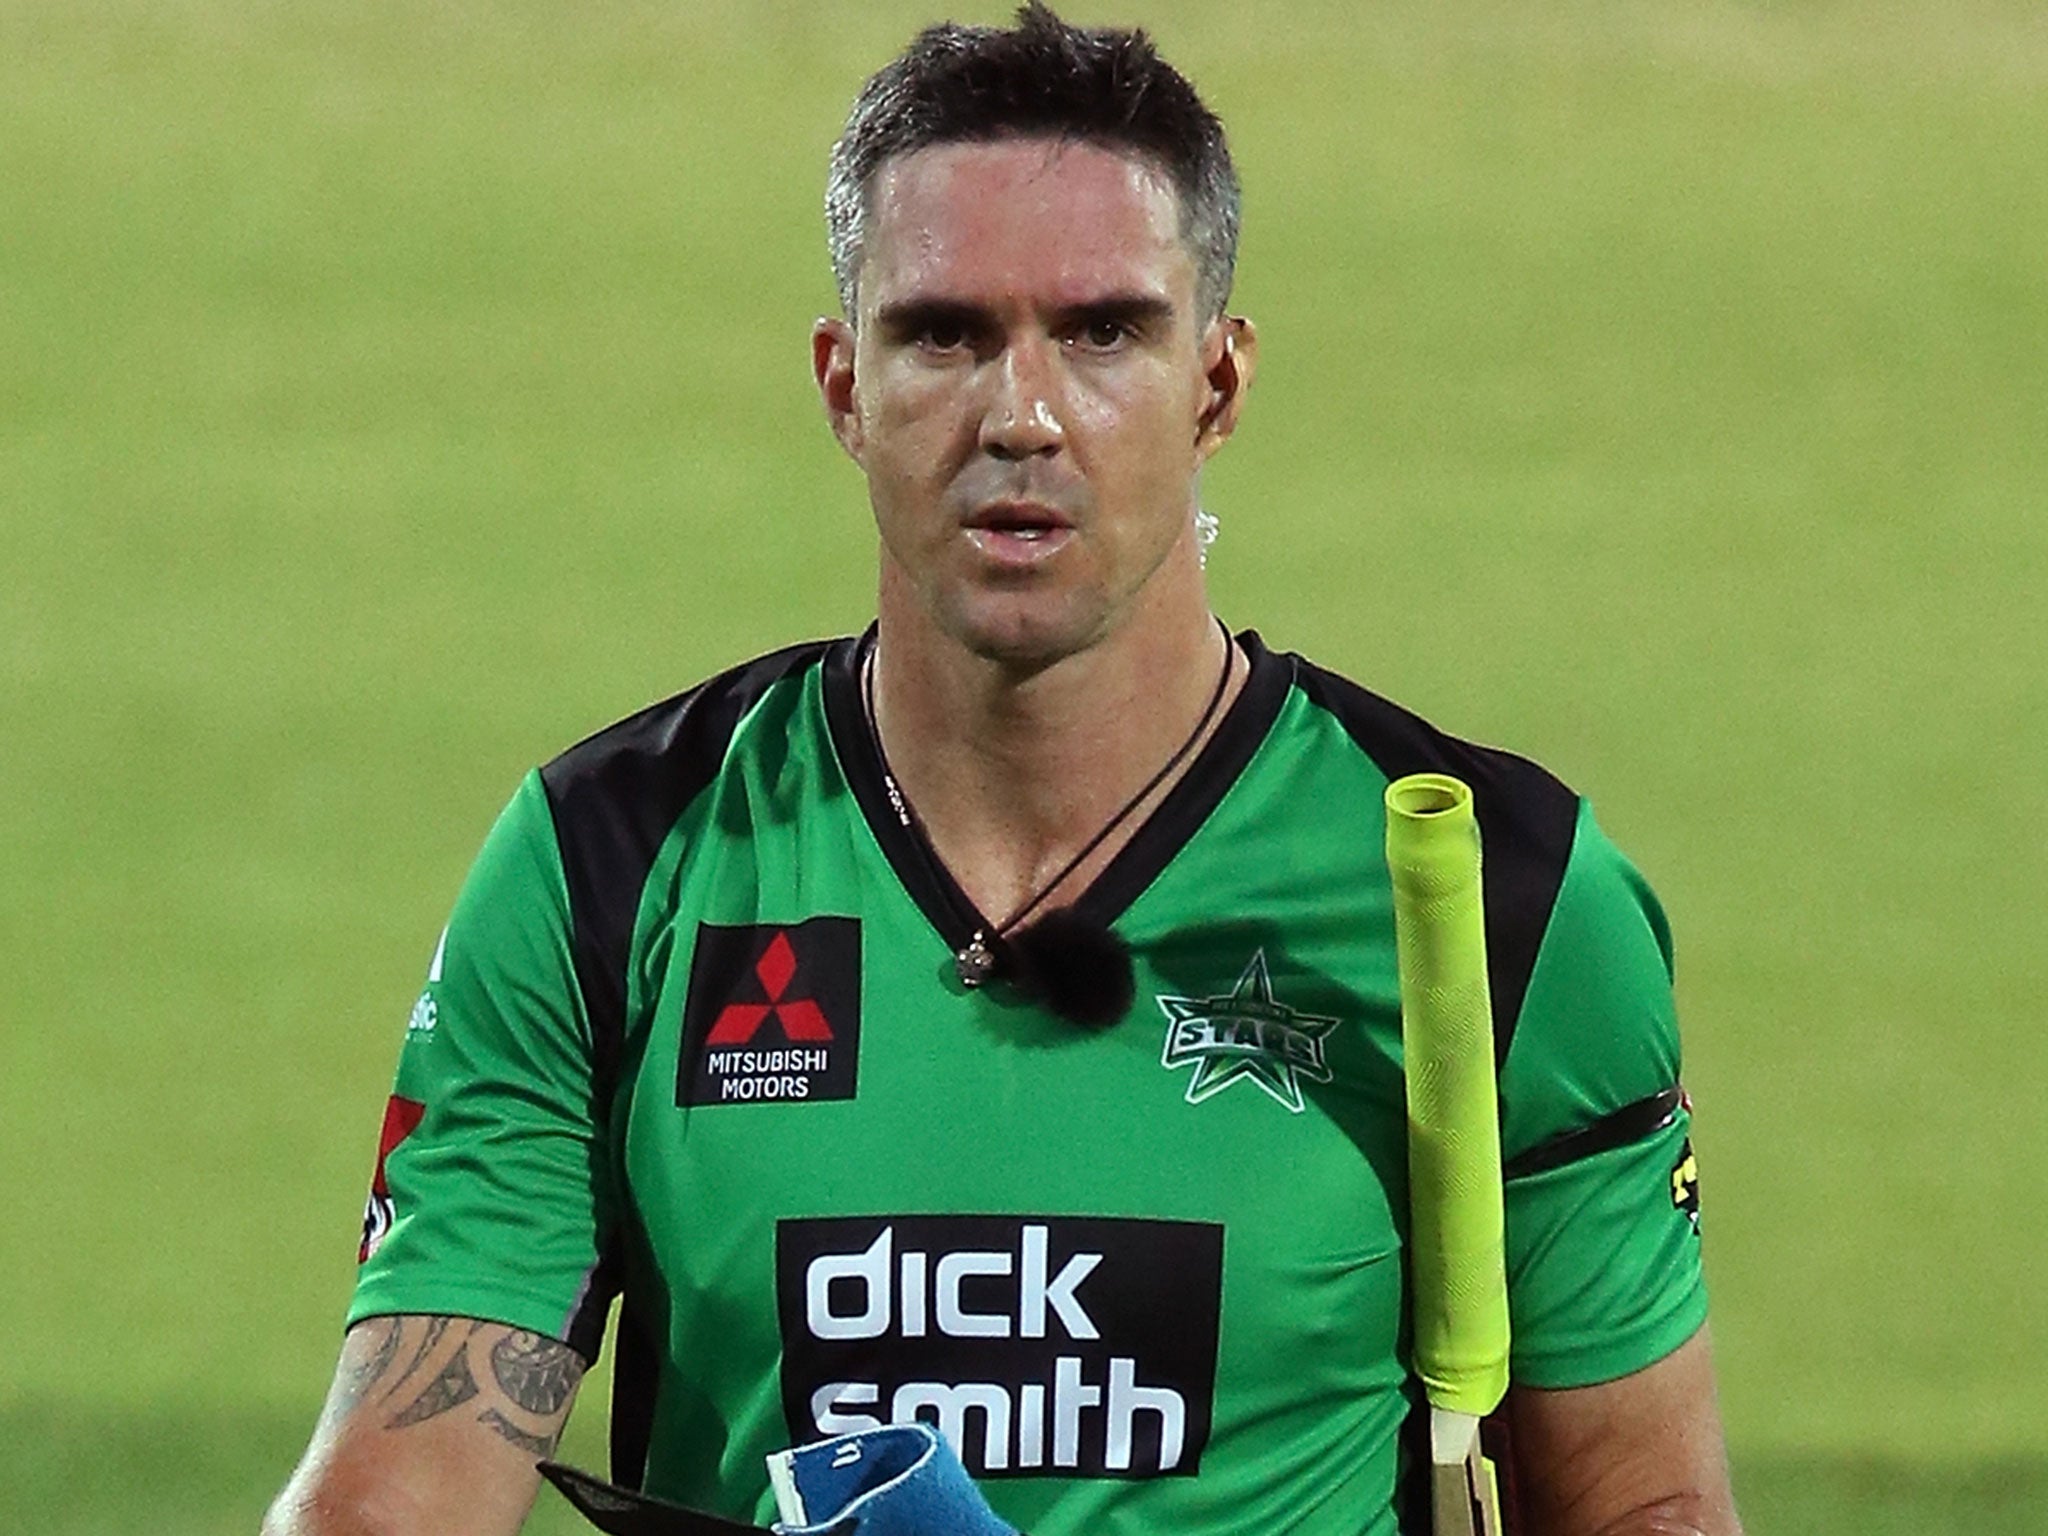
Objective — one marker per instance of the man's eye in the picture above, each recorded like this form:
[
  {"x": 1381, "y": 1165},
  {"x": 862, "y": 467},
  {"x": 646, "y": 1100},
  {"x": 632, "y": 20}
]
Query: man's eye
[
  {"x": 944, "y": 337},
  {"x": 1103, "y": 335}
]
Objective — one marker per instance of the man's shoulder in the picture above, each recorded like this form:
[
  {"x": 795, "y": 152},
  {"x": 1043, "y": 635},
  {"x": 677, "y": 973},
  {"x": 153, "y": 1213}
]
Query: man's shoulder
[
  {"x": 1517, "y": 794},
  {"x": 1529, "y": 821},
  {"x": 615, "y": 797},
  {"x": 664, "y": 755}
]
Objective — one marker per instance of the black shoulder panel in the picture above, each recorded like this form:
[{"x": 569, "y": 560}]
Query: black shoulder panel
[
  {"x": 615, "y": 797},
  {"x": 1526, "y": 822}
]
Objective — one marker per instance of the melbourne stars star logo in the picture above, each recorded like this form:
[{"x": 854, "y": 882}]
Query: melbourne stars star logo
[{"x": 1245, "y": 1033}]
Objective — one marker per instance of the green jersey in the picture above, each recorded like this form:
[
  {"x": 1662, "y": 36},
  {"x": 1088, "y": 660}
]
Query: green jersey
[{"x": 695, "y": 1035}]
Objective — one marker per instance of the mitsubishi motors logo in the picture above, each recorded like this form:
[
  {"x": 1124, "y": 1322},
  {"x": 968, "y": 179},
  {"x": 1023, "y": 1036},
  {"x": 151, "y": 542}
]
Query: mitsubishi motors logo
[
  {"x": 800, "y": 1017},
  {"x": 773, "y": 1013}
]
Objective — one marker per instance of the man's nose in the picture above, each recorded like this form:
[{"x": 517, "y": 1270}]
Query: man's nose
[{"x": 1022, "y": 417}]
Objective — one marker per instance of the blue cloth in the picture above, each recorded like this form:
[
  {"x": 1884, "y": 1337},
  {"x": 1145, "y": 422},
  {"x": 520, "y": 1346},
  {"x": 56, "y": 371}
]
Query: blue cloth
[{"x": 902, "y": 1480}]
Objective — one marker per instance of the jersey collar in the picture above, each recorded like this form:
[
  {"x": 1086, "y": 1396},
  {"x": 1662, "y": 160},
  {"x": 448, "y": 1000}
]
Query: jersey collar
[{"x": 1136, "y": 865}]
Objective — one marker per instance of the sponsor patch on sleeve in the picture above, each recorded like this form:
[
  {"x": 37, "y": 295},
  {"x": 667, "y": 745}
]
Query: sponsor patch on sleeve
[
  {"x": 1685, "y": 1184},
  {"x": 401, "y": 1118},
  {"x": 426, "y": 1012}
]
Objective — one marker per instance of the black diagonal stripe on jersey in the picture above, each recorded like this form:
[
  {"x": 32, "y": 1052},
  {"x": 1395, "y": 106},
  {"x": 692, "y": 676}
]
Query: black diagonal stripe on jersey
[
  {"x": 1527, "y": 820},
  {"x": 1628, "y": 1124},
  {"x": 615, "y": 797}
]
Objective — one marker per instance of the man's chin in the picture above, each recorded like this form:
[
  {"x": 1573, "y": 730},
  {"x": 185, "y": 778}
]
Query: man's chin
[{"x": 1026, "y": 636}]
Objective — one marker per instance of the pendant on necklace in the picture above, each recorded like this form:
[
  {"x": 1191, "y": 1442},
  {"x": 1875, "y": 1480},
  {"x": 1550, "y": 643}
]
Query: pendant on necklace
[{"x": 974, "y": 964}]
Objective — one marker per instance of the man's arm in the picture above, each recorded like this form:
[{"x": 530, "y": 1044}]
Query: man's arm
[
  {"x": 432, "y": 1428},
  {"x": 1641, "y": 1456}
]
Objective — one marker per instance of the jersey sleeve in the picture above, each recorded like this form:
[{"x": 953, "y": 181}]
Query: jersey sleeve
[
  {"x": 490, "y": 1197},
  {"x": 1602, "y": 1214}
]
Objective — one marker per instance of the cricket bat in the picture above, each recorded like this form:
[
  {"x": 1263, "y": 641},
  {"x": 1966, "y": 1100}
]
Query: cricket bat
[{"x": 1458, "y": 1268}]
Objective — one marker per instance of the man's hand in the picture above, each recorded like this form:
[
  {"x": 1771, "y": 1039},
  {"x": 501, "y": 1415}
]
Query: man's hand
[
  {"x": 1642, "y": 1456},
  {"x": 432, "y": 1428}
]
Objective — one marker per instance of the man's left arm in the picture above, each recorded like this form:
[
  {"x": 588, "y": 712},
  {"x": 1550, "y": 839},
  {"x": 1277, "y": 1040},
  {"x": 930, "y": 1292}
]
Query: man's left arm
[
  {"x": 1611, "y": 1408},
  {"x": 1638, "y": 1456}
]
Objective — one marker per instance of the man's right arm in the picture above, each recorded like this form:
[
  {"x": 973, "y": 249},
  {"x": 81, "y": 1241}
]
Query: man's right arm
[
  {"x": 487, "y": 1201},
  {"x": 433, "y": 1427}
]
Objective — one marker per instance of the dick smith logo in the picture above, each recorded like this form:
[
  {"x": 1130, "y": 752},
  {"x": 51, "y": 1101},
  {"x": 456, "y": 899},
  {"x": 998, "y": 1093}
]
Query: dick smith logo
[
  {"x": 1068, "y": 1346},
  {"x": 932, "y": 1293},
  {"x": 773, "y": 1013}
]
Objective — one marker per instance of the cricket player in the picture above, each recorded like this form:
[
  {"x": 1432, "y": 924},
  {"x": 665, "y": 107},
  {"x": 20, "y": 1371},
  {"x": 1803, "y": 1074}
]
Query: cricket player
[{"x": 992, "y": 1019}]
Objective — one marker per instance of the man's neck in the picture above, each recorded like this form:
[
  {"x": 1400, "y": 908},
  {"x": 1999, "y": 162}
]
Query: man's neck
[{"x": 1011, "y": 771}]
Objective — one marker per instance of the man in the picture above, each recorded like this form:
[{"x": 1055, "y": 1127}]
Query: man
[{"x": 992, "y": 1019}]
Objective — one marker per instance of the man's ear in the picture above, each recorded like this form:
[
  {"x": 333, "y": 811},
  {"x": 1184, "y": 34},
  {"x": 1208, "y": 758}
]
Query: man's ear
[
  {"x": 832, "y": 349},
  {"x": 1231, "y": 356}
]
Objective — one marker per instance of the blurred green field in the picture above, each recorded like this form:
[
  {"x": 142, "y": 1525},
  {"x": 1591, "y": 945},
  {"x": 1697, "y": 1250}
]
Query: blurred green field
[{"x": 389, "y": 395}]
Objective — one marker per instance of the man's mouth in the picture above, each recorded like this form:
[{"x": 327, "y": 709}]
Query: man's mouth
[
  {"x": 1018, "y": 533},
  {"x": 1020, "y": 519}
]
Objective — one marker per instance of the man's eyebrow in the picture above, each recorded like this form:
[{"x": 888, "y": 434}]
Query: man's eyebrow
[
  {"x": 913, "y": 317},
  {"x": 1139, "y": 311}
]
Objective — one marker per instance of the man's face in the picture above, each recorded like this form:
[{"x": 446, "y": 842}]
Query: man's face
[{"x": 1029, "y": 390}]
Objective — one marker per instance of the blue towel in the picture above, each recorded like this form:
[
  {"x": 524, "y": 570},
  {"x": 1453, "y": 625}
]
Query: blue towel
[{"x": 902, "y": 1480}]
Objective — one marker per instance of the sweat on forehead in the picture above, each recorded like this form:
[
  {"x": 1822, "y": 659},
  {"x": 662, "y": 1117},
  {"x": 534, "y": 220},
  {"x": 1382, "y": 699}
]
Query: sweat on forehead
[{"x": 1028, "y": 218}]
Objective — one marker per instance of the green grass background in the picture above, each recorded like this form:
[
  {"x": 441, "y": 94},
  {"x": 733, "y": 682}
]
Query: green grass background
[{"x": 391, "y": 394}]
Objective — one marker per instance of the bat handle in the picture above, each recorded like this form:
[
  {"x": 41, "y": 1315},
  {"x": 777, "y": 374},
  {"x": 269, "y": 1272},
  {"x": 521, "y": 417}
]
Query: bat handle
[{"x": 1464, "y": 1494}]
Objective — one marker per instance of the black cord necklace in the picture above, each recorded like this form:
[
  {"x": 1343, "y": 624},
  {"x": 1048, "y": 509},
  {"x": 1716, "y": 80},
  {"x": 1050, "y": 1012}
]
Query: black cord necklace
[{"x": 1079, "y": 969}]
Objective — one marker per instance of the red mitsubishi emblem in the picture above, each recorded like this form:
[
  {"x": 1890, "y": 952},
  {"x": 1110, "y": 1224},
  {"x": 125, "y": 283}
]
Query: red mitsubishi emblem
[{"x": 800, "y": 1017}]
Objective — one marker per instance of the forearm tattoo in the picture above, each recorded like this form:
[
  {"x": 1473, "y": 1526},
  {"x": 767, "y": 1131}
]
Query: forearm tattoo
[
  {"x": 455, "y": 1386},
  {"x": 384, "y": 1334},
  {"x": 430, "y": 1336},
  {"x": 536, "y": 1375},
  {"x": 533, "y": 1445}
]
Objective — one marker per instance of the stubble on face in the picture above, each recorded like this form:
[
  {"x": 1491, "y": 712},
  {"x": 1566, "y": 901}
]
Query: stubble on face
[{"x": 1029, "y": 387}]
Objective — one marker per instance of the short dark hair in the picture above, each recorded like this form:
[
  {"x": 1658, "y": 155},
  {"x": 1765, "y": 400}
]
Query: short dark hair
[{"x": 1040, "y": 78}]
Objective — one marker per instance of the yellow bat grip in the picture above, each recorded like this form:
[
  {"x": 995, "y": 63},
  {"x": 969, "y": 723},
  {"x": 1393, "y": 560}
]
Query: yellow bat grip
[{"x": 1457, "y": 1261}]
